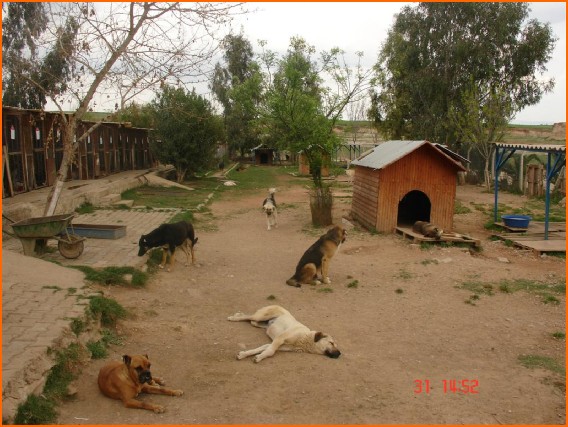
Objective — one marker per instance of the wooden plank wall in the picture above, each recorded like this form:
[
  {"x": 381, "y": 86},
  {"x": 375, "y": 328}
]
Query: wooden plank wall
[
  {"x": 36, "y": 151},
  {"x": 365, "y": 196}
]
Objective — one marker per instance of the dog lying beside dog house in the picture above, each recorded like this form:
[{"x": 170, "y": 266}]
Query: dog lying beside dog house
[
  {"x": 427, "y": 229},
  {"x": 317, "y": 258},
  {"x": 127, "y": 379},
  {"x": 286, "y": 333},
  {"x": 169, "y": 237}
]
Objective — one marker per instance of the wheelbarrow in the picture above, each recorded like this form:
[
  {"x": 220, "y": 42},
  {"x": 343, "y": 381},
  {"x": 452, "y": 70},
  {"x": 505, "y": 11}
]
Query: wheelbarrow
[{"x": 34, "y": 233}]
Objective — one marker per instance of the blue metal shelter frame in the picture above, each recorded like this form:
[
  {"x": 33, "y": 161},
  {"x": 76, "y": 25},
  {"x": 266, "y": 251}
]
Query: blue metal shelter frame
[{"x": 556, "y": 158}]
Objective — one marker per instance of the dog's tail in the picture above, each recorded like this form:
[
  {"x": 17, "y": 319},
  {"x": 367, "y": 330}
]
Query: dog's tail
[{"x": 194, "y": 241}]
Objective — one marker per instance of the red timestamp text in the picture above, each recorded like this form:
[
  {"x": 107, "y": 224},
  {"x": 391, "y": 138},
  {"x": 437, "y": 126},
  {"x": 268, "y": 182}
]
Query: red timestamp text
[{"x": 449, "y": 386}]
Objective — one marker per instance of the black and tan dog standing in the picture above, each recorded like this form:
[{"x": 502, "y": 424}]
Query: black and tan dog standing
[
  {"x": 317, "y": 258},
  {"x": 127, "y": 379},
  {"x": 170, "y": 237}
]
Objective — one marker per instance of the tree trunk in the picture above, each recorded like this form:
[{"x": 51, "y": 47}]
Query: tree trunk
[
  {"x": 180, "y": 175},
  {"x": 70, "y": 147},
  {"x": 487, "y": 175},
  {"x": 321, "y": 203}
]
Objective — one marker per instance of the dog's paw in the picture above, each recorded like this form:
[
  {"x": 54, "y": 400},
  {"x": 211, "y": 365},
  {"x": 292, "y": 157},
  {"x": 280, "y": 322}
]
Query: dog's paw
[
  {"x": 158, "y": 381},
  {"x": 160, "y": 266},
  {"x": 159, "y": 409},
  {"x": 326, "y": 281},
  {"x": 177, "y": 392},
  {"x": 258, "y": 358},
  {"x": 241, "y": 355},
  {"x": 317, "y": 282}
]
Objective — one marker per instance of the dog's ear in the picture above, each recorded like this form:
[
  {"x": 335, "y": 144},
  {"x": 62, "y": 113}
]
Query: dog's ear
[
  {"x": 146, "y": 356},
  {"x": 126, "y": 359},
  {"x": 318, "y": 336}
]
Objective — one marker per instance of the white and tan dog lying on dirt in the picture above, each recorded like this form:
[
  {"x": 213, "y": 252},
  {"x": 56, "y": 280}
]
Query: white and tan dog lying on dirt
[{"x": 287, "y": 334}]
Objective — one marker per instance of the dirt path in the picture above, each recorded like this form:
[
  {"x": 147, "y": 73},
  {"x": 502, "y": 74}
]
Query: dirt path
[{"x": 405, "y": 321}]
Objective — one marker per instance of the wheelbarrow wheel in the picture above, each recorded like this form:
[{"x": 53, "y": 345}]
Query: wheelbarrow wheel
[{"x": 73, "y": 248}]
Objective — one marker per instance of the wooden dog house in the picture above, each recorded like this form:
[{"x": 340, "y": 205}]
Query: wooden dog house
[
  {"x": 263, "y": 155},
  {"x": 401, "y": 182}
]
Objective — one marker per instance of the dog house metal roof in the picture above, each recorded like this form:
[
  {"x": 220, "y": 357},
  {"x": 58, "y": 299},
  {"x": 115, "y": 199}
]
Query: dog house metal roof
[{"x": 390, "y": 151}]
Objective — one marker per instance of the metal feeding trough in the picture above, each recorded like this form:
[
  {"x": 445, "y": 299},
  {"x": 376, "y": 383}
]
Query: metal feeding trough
[{"x": 516, "y": 221}]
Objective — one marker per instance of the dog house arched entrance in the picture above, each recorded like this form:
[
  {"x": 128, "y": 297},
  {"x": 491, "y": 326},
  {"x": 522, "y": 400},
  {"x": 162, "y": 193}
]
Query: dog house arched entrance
[{"x": 414, "y": 206}]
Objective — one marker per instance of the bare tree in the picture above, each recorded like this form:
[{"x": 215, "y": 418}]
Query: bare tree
[
  {"x": 356, "y": 113},
  {"x": 114, "y": 52}
]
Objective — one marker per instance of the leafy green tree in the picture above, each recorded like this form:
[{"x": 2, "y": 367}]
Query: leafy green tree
[
  {"x": 294, "y": 113},
  {"x": 301, "y": 108},
  {"x": 186, "y": 131},
  {"x": 140, "y": 115},
  {"x": 22, "y": 26},
  {"x": 481, "y": 119},
  {"x": 435, "y": 50},
  {"x": 238, "y": 87}
]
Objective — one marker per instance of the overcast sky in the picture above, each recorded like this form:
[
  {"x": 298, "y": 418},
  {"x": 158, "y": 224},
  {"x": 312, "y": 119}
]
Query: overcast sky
[{"x": 354, "y": 27}]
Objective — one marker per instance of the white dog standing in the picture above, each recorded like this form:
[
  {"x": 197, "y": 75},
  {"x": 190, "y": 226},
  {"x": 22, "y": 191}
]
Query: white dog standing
[{"x": 269, "y": 207}]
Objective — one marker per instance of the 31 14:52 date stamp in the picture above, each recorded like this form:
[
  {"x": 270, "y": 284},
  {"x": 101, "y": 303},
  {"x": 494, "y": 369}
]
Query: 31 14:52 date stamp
[{"x": 447, "y": 386}]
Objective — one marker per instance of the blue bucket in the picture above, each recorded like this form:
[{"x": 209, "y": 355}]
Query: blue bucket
[{"x": 516, "y": 221}]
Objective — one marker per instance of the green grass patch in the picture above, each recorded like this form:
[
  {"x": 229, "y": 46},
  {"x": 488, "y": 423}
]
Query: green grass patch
[
  {"x": 85, "y": 208},
  {"x": 399, "y": 291},
  {"x": 109, "y": 337},
  {"x": 547, "y": 291},
  {"x": 114, "y": 275},
  {"x": 184, "y": 215},
  {"x": 98, "y": 349},
  {"x": 534, "y": 361},
  {"x": 460, "y": 209},
  {"x": 404, "y": 274},
  {"x": 271, "y": 297},
  {"x": 429, "y": 261},
  {"x": 77, "y": 326},
  {"x": 109, "y": 310},
  {"x": 478, "y": 288},
  {"x": 61, "y": 375},
  {"x": 353, "y": 284},
  {"x": 255, "y": 178},
  {"x": 36, "y": 410},
  {"x": 41, "y": 409},
  {"x": 172, "y": 197},
  {"x": 325, "y": 290},
  {"x": 558, "y": 335}
]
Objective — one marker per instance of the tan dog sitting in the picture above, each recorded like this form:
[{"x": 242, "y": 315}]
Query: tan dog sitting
[
  {"x": 127, "y": 379},
  {"x": 317, "y": 258}
]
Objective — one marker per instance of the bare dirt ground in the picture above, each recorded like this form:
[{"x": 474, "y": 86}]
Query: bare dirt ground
[{"x": 405, "y": 322}]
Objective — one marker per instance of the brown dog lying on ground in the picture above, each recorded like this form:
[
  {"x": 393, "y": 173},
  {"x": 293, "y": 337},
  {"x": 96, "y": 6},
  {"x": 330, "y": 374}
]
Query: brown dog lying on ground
[
  {"x": 317, "y": 258},
  {"x": 127, "y": 379},
  {"x": 286, "y": 333},
  {"x": 427, "y": 229}
]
